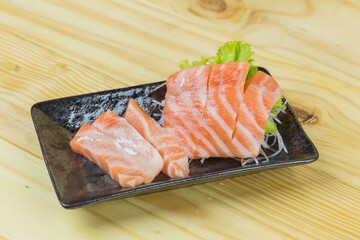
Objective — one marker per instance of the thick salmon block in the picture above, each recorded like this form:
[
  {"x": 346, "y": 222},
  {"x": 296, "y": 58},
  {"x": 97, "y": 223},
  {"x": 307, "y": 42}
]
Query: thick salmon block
[
  {"x": 113, "y": 144},
  {"x": 175, "y": 160},
  {"x": 185, "y": 102},
  {"x": 224, "y": 97}
]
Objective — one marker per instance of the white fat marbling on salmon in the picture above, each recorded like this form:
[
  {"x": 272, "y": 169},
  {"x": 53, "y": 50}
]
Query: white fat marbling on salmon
[
  {"x": 217, "y": 139},
  {"x": 207, "y": 143},
  {"x": 261, "y": 102},
  {"x": 85, "y": 138},
  {"x": 245, "y": 109},
  {"x": 182, "y": 82},
  {"x": 130, "y": 151}
]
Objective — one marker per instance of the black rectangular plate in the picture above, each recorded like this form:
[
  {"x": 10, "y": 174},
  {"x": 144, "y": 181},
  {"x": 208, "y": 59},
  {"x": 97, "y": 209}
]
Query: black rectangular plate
[{"x": 78, "y": 182}]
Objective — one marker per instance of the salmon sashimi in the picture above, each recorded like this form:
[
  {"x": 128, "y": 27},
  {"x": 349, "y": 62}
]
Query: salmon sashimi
[
  {"x": 261, "y": 93},
  {"x": 175, "y": 160},
  {"x": 184, "y": 107},
  {"x": 113, "y": 144},
  {"x": 224, "y": 96},
  {"x": 223, "y": 119}
]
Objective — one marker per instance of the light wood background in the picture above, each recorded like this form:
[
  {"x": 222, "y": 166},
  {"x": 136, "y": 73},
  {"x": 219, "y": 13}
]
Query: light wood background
[{"x": 51, "y": 49}]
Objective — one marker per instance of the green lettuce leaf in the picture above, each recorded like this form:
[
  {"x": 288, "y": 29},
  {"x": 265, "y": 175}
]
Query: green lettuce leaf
[
  {"x": 233, "y": 51},
  {"x": 278, "y": 104},
  {"x": 252, "y": 70},
  {"x": 270, "y": 127},
  {"x": 184, "y": 64}
]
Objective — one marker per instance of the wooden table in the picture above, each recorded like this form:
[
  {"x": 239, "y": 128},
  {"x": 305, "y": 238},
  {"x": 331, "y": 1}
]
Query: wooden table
[{"x": 52, "y": 49}]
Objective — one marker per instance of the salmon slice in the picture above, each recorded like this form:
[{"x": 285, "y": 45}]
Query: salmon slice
[
  {"x": 175, "y": 160},
  {"x": 224, "y": 96},
  {"x": 114, "y": 145},
  {"x": 184, "y": 107},
  {"x": 261, "y": 93}
]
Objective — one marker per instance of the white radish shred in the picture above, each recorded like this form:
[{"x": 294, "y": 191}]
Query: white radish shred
[
  {"x": 277, "y": 120},
  {"x": 267, "y": 159},
  {"x": 264, "y": 143},
  {"x": 160, "y": 106},
  {"x": 285, "y": 102},
  {"x": 158, "y": 87},
  {"x": 278, "y": 110}
]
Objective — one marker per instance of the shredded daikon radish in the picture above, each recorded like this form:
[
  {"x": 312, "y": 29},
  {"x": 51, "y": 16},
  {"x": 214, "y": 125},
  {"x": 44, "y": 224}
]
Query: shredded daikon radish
[
  {"x": 264, "y": 153},
  {"x": 160, "y": 106}
]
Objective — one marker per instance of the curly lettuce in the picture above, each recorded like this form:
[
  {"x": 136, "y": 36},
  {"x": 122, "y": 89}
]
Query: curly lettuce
[
  {"x": 270, "y": 127},
  {"x": 184, "y": 64},
  {"x": 278, "y": 104},
  {"x": 232, "y": 51}
]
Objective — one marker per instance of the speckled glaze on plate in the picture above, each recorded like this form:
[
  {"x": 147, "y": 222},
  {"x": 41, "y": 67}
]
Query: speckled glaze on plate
[{"x": 78, "y": 182}]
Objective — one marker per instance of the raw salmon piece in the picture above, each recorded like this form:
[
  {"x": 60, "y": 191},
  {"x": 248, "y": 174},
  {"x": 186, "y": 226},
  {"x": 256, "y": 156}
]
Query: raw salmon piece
[
  {"x": 175, "y": 160},
  {"x": 224, "y": 97},
  {"x": 100, "y": 149},
  {"x": 184, "y": 107},
  {"x": 127, "y": 138},
  {"x": 261, "y": 93},
  {"x": 124, "y": 154}
]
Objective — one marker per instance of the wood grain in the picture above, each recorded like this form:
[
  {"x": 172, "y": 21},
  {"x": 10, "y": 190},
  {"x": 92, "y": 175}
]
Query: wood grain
[{"x": 51, "y": 49}]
